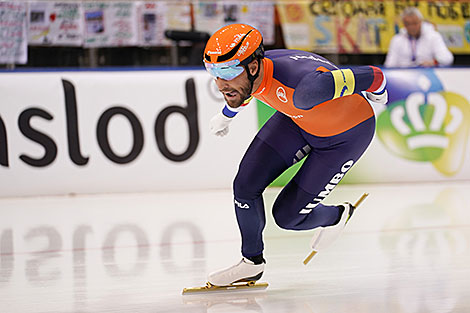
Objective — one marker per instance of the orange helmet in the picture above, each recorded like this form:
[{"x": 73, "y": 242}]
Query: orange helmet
[{"x": 231, "y": 46}]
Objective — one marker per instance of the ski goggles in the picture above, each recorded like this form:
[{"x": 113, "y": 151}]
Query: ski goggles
[{"x": 227, "y": 70}]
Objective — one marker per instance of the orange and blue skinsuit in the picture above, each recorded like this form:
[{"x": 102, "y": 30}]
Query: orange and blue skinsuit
[{"x": 321, "y": 116}]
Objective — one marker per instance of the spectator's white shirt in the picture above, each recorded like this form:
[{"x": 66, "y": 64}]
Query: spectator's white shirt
[{"x": 428, "y": 47}]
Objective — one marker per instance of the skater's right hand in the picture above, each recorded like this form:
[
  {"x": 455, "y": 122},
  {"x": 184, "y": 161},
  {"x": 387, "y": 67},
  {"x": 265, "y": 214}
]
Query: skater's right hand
[{"x": 219, "y": 124}]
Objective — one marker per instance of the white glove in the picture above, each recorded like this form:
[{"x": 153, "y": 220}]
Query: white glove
[
  {"x": 380, "y": 99},
  {"x": 219, "y": 124}
]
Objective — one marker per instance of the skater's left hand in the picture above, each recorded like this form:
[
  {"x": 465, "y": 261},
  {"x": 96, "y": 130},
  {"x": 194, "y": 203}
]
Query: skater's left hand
[{"x": 377, "y": 98}]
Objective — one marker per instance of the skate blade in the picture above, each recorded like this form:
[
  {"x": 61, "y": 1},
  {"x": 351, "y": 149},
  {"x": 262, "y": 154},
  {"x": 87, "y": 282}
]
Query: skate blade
[
  {"x": 251, "y": 285},
  {"x": 358, "y": 202}
]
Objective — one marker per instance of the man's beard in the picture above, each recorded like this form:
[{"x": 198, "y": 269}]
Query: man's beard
[{"x": 242, "y": 95}]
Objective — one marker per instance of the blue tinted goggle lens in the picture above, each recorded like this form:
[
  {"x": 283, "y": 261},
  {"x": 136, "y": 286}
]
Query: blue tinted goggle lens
[{"x": 228, "y": 70}]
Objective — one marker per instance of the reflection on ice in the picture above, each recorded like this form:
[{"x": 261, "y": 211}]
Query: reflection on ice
[{"x": 406, "y": 250}]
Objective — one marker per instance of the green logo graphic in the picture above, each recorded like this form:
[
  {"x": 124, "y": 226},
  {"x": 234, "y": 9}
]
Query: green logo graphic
[
  {"x": 427, "y": 126},
  {"x": 264, "y": 113}
]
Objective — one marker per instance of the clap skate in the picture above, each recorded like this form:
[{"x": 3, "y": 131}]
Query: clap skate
[
  {"x": 325, "y": 236},
  {"x": 243, "y": 275}
]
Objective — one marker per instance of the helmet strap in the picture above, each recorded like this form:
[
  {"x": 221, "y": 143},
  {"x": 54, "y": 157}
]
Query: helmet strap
[{"x": 252, "y": 78}]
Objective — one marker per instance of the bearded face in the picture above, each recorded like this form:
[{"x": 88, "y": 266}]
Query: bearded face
[{"x": 235, "y": 91}]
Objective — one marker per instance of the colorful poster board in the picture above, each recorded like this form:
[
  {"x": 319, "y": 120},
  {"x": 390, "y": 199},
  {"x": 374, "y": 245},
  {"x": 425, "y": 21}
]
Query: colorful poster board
[
  {"x": 327, "y": 26},
  {"x": 157, "y": 16},
  {"x": 13, "y": 34},
  {"x": 110, "y": 24},
  {"x": 55, "y": 23},
  {"x": 212, "y": 15}
]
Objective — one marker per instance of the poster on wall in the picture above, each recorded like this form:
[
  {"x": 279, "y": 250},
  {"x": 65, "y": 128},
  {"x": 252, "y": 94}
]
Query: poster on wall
[
  {"x": 13, "y": 35},
  {"x": 110, "y": 24},
  {"x": 338, "y": 27},
  {"x": 55, "y": 23},
  {"x": 157, "y": 16},
  {"x": 366, "y": 26},
  {"x": 210, "y": 16}
]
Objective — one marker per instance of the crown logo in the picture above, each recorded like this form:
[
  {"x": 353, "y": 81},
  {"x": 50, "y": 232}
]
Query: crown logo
[
  {"x": 425, "y": 115},
  {"x": 427, "y": 127}
]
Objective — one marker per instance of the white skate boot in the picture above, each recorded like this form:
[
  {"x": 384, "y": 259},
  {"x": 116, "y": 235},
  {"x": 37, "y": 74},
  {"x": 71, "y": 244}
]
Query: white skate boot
[
  {"x": 325, "y": 236},
  {"x": 243, "y": 271},
  {"x": 241, "y": 276}
]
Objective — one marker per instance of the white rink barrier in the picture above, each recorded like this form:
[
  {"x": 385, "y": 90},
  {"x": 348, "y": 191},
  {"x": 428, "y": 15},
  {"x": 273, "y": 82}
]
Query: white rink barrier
[
  {"x": 115, "y": 131},
  {"x": 131, "y": 131}
]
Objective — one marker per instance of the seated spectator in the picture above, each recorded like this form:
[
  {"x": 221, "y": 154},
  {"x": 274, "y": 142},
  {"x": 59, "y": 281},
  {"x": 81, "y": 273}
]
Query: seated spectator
[{"x": 418, "y": 44}]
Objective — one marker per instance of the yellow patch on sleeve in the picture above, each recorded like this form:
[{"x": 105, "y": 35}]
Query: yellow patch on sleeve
[{"x": 344, "y": 82}]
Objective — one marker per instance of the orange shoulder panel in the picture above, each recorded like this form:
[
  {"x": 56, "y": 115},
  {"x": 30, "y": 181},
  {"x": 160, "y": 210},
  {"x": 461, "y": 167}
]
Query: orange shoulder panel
[{"x": 326, "y": 119}]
